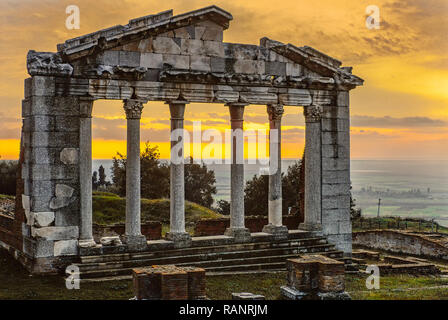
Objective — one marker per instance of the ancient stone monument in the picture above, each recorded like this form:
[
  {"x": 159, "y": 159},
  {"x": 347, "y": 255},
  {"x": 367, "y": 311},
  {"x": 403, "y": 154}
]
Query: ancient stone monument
[
  {"x": 179, "y": 60},
  {"x": 315, "y": 277}
]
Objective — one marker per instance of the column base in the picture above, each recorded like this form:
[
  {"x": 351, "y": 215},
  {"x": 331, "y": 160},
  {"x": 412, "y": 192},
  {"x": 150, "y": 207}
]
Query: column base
[
  {"x": 277, "y": 232},
  {"x": 86, "y": 243},
  {"x": 135, "y": 243},
  {"x": 180, "y": 239},
  {"x": 239, "y": 234},
  {"x": 311, "y": 227}
]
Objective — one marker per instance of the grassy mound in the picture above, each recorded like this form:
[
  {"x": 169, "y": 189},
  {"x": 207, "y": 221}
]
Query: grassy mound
[{"x": 109, "y": 208}]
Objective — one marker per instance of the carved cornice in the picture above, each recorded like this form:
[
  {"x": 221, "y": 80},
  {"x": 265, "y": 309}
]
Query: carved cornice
[
  {"x": 313, "y": 113},
  {"x": 275, "y": 112},
  {"x": 133, "y": 108},
  {"x": 47, "y": 63}
]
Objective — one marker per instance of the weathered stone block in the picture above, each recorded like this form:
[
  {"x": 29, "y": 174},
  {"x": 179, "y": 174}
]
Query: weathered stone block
[
  {"x": 43, "y": 248},
  {"x": 40, "y": 123},
  {"x": 217, "y": 64},
  {"x": 214, "y": 48},
  {"x": 183, "y": 33},
  {"x": 63, "y": 190},
  {"x": 335, "y": 163},
  {"x": 151, "y": 60},
  {"x": 343, "y": 99},
  {"x": 276, "y": 68},
  {"x": 200, "y": 63},
  {"x": 334, "y": 112},
  {"x": 192, "y": 47},
  {"x": 129, "y": 58},
  {"x": 336, "y": 202},
  {"x": 55, "y": 233},
  {"x": 65, "y": 248},
  {"x": 177, "y": 61},
  {"x": 293, "y": 69},
  {"x": 40, "y": 86},
  {"x": 42, "y": 219},
  {"x": 67, "y": 124},
  {"x": 335, "y": 124},
  {"x": 249, "y": 67},
  {"x": 42, "y": 188},
  {"x": 335, "y": 189},
  {"x": 67, "y": 216},
  {"x": 69, "y": 156},
  {"x": 166, "y": 45},
  {"x": 335, "y": 138},
  {"x": 109, "y": 57}
]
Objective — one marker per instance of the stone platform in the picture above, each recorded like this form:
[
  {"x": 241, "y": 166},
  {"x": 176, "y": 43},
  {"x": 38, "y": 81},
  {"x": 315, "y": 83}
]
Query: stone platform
[{"x": 216, "y": 254}]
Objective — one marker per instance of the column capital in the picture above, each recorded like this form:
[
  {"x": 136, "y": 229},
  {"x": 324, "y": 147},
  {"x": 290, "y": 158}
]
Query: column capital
[
  {"x": 236, "y": 111},
  {"x": 275, "y": 111},
  {"x": 313, "y": 113},
  {"x": 177, "y": 109},
  {"x": 86, "y": 106},
  {"x": 133, "y": 108}
]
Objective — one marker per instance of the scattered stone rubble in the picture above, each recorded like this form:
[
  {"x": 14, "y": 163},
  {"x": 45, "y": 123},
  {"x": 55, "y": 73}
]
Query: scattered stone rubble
[{"x": 7, "y": 207}]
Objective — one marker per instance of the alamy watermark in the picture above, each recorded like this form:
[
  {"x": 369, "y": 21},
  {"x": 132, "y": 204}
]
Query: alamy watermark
[
  {"x": 373, "y": 280},
  {"x": 73, "y": 280},
  {"x": 207, "y": 147},
  {"x": 73, "y": 20},
  {"x": 373, "y": 18}
]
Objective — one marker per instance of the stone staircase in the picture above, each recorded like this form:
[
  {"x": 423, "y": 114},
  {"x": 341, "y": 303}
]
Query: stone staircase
[{"x": 217, "y": 255}]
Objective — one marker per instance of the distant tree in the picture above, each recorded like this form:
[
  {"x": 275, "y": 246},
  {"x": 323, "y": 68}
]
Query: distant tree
[
  {"x": 154, "y": 174},
  {"x": 257, "y": 192},
  {"x": 199, "y": 184},
  {"x": 256, "y": 196},
  {"x": 94, "y": 180},
  {"x": 102, "y": 177},
  {"x": 223, "y": 207},
  {"x": 8, "y": 175},
  {"x": 354, "y": 212},
  {"x": 290, "y": 187}
]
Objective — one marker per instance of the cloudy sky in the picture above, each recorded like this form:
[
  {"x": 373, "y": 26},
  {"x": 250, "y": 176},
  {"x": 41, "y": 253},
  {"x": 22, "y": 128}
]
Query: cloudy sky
[{"x": 400, "y": 113}]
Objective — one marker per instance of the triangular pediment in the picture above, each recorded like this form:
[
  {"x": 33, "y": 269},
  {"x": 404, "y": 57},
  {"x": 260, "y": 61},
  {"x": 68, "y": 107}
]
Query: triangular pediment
[{"x": 161, "y": 24}]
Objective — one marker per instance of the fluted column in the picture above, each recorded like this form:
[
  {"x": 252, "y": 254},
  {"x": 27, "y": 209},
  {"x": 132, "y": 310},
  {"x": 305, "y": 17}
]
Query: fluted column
[
  {"x": 133, "y": 236},
  {"x": 313, "y": 169},
  {"x": 275, "y": 225},
  {"x": 177, "y": 232},
  {"x": 237, "y": 228},
  {"x": 85, "y": 171}
]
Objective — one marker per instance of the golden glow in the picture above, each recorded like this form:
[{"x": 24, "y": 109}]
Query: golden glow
[{"x": 404, "y": 65}]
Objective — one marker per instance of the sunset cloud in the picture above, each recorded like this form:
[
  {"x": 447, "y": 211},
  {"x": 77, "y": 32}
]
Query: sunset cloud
[{"x": 402, "y": 106}]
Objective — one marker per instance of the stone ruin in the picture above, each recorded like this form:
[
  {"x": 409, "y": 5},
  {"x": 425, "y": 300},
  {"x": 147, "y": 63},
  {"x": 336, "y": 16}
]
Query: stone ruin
[{"x": 177, "y": 59}]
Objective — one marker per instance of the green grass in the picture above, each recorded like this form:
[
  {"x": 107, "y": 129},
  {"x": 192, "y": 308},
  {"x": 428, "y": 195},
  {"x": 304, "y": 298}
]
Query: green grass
[
  {"x": 369, "y": 223},
  {"x": 16, "y": 283},
  {"x": 5, "y": 196},
  {"x": 108, "y": 208}
]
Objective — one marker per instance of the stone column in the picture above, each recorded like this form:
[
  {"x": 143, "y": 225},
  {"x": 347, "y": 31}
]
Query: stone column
[
  {"x": 177, "y": 232},
  {"x": 313, "y": 169},
  {"x": 85, "y": 172},
  {"x": 237, "y": 228},
  {"x": 133, "y": 236},
  {"x": 275, "y": 226}
]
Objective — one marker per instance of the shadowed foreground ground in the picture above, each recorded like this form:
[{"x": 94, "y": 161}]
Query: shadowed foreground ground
[{"x": 16, "y": 283}]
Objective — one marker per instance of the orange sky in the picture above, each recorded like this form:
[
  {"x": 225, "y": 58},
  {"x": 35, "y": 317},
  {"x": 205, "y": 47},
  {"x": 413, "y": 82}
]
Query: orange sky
[{"x": 400, "y": 113}]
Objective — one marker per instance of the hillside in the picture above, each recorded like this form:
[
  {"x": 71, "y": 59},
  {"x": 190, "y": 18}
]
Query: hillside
[{"x": 109, "y": 208}]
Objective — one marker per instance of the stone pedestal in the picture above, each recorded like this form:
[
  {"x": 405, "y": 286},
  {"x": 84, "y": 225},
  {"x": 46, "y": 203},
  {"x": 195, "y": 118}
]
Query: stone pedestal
[
  {"x": 177, "y": 232},
  {"x": 315, "y": 277},
  {"x": 313, "y": 170},
  {"x": 133, "y": 237},
  {"x": 237, "y": 228},
  {"x": 85, "y": 172}
]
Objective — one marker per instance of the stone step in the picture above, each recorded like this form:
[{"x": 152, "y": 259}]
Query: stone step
[
  {"x": 204, "y": 250},
  {"x": 206, "y": 257},
  {"x": 213, "y": 266}
]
